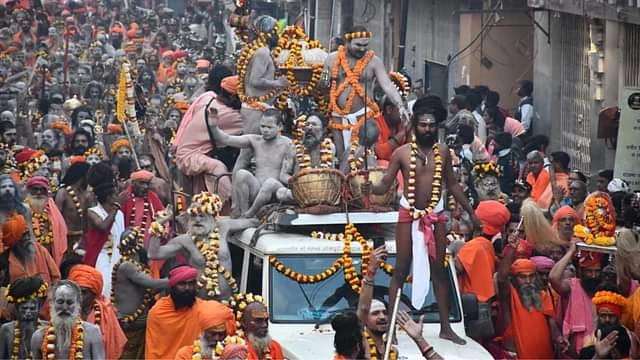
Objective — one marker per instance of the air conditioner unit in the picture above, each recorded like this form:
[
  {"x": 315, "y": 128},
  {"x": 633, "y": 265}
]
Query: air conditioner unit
[{"x": 535, "y": 3}]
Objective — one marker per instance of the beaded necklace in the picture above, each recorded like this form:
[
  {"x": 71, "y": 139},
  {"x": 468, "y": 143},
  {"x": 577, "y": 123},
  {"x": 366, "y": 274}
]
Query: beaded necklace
[
  {"x": 145, "y": 213},
  {"x": 148, "y": 294},
  {"x": 77, "y": 342},
  {"x": 76, "y": 201}
]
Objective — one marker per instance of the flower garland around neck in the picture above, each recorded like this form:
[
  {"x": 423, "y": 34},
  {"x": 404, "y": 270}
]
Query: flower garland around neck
[
  {"x": 146, "y": 210},
  {"x": 373, "y": 349},
  {"x": 352, "y": 79},
  {"x": 42, "y": 223},
  {"x": 436, "y": 185},
  {"x": 128, "y": 256},
  {"x": 212, "y": 268},
  {"x": 196, "y": 352},
  {"x": 17, "y": 341},
  {"x": 246, "y": 54},
  {"x": 77, "y": 342},
  {"x": 237, "y": 303},
  {"x": 76, "y": 201},
  {"x": 303, "y": 157}
]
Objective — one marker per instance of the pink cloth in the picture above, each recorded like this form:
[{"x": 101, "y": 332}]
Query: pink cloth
[
  {"x": 513, "y": 127},
  {"x": 193, "y": 143},
  {"x": 578, "y": 317},
  {"x": 425, "y": 227},
  {"x": 59, "y": 230}
]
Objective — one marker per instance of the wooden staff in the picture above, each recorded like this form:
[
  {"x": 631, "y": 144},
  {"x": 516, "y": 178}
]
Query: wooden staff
[
  {"x": 392, "y": 326},
  {"x": 367, "y": 198}
]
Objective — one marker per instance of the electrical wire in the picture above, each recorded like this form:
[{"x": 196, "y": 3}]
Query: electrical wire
[{"x": 480, "y": 33}]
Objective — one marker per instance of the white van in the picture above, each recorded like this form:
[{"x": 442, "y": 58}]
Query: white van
[{"x": 300, "y": 314}]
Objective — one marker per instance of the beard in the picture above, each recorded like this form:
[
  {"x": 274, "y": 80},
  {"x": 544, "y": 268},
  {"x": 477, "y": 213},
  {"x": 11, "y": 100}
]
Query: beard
[
  {"x": 78, "y": 150},
  {"x": 201, "y": 229},
  {"x": 38, "y": 203},
  {"x": 7, "y": 202},
  {"x": 310, "y": 140},
  {"x": 589, "y": 285},
  {"x": 182, "y": 300},
  {"x": 426, "y": 139},
  {"x": 260, "y": 344},
  {"x": 205, "y": 349},
  {"x": 530, "y": 296},
  {"x": 63, "y": 323}
]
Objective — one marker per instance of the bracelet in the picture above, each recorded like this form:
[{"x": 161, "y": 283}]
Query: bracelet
[
  {"x": 368, "y": 282},
  {"x": 425, "y": 352}
]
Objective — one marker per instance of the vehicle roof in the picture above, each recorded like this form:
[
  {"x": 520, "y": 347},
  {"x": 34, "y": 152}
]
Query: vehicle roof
[{"x": 285, "y": 243}]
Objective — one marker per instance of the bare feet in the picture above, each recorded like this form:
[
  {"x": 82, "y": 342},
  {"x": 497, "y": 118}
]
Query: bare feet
[{"x": 448, "y": 334}]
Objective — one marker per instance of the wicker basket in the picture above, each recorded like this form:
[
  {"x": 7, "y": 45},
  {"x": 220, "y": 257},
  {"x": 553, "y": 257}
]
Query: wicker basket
[
  {"x": 355, "y": 182},
  {"x": 311, "y": 187}
]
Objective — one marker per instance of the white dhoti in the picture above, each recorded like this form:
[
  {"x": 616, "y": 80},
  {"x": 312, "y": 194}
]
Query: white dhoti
[
  {"x": 349, "y": 119},
  {"x": 422, "y": 243},
  {"x": 105, "y": 262}
]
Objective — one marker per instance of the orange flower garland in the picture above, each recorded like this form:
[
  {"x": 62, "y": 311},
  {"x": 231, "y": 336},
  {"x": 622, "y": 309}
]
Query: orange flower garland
[
  {"x": 599, "y": 221},
  {"x": 436, "y": 185},
  {"x": 358, "y": 35},
  {"x": 77, "y": 342},
  {"x": 243, "y": 63},
  {"x": 609, "y": 297},
  {"x": 41, "y": 223},
  {"x": 401, "y": 82}
]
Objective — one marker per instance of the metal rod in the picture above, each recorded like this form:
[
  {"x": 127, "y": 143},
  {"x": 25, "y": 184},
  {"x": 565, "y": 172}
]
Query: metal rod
[{"x": 392, "y": 326}]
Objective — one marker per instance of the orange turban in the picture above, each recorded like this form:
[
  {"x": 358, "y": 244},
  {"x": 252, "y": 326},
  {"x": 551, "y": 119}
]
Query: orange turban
[
  {"x": 564, "y": 212},
  {"x": 615, "y": 302},
  {"x": 75, "y": 159},
  {"x": 211, "y": 318},
  {"x": 230, "y": 83},
  {"x": 141, "y": 175},
  {"x": 87, "y": 277},
  {"x": 118, "y": 144},
  {"x": 202, "y": 64},
  {"x": 13, "y": 230},
  {"x": 523, "y": 266},
  {"x": 493, "y": 215},
  {"x": 114, "y": 129}
]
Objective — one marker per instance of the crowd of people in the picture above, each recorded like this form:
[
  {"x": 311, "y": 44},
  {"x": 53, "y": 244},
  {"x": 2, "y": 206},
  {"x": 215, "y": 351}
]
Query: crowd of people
[{"x": 127, "y": 133}]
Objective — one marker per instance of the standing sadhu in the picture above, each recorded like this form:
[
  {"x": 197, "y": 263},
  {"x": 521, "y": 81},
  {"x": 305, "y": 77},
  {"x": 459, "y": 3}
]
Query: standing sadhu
[{"x": 426, "y": 167}]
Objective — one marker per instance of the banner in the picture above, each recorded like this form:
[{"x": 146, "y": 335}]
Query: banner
[{"x": 627, "y": 165}]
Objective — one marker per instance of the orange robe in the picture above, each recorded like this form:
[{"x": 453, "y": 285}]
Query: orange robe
[
  {"x": 539, "y": 184},
  {"x": 275, "y": 351},
  {"x": 169, "y": 329},
  {"x": 112, "y": 334},
  {"x": 59, "y": 230},
  {"x": 383, "y": 148},
  {"x": 478, "y": 259},
  {"x": 530, "y": 329},
  {"x": 42, "y": 265},
  {"x": 631, "y": 314},
  {"x": 562, "y": 181}
]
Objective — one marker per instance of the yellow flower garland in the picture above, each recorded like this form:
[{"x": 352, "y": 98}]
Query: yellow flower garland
[
  {"x": 229, "y": 340},
  {"x": 373, "y": 349},
  {"x": 209, "y": 279},
  {"x": 436, "y": 185},
  {"x": 77, "y": 342},
  {"x": 41, "y": 293},
  {"x": 483, "y": 169},
  {"x": 243, "y": 62},
  {"x": 42, "y": 222}
]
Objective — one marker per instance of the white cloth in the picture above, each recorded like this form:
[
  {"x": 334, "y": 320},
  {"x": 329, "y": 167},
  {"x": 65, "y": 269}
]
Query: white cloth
[
  {"x": 420, "y": 261},
  {"x": 105, "y": 263},
  {"x": 481, "y": 131},
  {"x": 351, "y": 119}
]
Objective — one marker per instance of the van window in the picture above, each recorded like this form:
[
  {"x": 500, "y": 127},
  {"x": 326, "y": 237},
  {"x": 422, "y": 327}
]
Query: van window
[
  {"x": 254, "y": 279},
  {"x": 291, "y": 301},
  {"x": 237, "y": 255}
]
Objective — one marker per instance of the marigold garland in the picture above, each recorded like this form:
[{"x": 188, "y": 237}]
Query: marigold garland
[
  {"x": 76, "y": 201},
  {"x": 41, "y": 223},
  {"x": 77, "y": 342},
  {"x": 358, "y": 35},
  {"x": 17, "y": 341},
  {"x": 238, "y": 302},
  {"x": 483, "y": 169},
  {"x": 229, "y": 340},
  {"x": 127, "y": 253},
  {"x": 401, "y": 82},
  {"x": 436, "y": 185},
  {"x": 373, "y": 349},
  {"x": 41, "y": 293},
  {"x": 246, "y": 54},
  {"x": 209, "y": 279},
  {"x": 599, "y": 221}
]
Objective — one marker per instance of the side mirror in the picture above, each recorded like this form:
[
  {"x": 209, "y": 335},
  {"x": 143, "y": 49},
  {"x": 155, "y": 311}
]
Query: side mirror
[{"x": 470, "y": 307}]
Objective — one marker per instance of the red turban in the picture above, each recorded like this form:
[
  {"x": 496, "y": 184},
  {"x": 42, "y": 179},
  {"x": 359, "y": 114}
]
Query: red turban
[
  {"x": 493, "y": 215},
  {"x": 543, "y": 262},
  {"x": 524, "y": 250},
  {"x": 27, "y": 154},
  {"x": 202, "y": 64},
  {"x": 13, "y": 230},
  {"x": 230, "y": 83},
  {"x": 564, "y": 212},
  {"x": 87, "y": 277},
  {"x": 141, "y": 175},
  {"x": 167, "y": 53},
  {"x": 523, "y": 266},
  {"x": 590, "y": 259},
  {"x": 181, "y": 274},
  {"x": 38, "y": 181}
]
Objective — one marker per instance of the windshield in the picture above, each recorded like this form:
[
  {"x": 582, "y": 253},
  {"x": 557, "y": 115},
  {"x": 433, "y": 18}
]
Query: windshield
[{"x": 291, "y": 301}]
